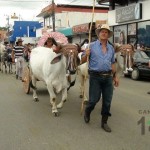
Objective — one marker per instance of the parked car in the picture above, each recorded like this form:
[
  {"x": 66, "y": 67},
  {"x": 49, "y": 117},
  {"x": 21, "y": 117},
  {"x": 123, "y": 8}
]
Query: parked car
[
  {"x": 147, "y": 52},
  {"x": 141, "y": 65}
]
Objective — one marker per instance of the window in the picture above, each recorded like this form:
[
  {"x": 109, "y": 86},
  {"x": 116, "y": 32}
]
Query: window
[
  {"x": 143, "y": 33},
  {"x": 132, "y": 34},
  {"x": 132, "y": 29},
  {"x": 120, "y": 34}
]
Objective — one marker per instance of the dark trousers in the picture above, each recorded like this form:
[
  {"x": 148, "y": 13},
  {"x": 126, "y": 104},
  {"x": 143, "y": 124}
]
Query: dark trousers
[{"x": 99, "y": 84}]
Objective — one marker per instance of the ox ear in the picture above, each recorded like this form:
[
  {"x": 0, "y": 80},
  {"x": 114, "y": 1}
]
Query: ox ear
[{"x": 56, "y": 59}]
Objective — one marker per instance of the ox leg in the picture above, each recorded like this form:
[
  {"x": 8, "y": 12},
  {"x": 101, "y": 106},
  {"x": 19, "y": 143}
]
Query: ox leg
[
  {"x": 64, "y": 98},
  {"x": 2, "y": 65},
  {"x": 81, "y": 86},
  {"x": 5, "y": 65},
  {"x": 33, "y": 86},
  {"x": 9, "y": 67},
  {"x": 52, "y": 99},
  {"x": 11, "y": 70},
  {"x": 83, "y": 94}
]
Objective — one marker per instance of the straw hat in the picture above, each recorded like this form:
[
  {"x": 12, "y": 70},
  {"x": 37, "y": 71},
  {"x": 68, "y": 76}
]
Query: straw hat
[
  {"x": 104, "y": 26},
  {"x": 20, "y": 40}
]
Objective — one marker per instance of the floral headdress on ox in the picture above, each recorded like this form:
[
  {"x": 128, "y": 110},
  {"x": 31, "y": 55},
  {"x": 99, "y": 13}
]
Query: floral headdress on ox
[{"x": 59, "y": 38}]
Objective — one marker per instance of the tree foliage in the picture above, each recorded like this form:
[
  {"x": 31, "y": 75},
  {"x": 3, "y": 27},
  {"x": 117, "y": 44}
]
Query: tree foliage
[{"x": 3, "y": 28}]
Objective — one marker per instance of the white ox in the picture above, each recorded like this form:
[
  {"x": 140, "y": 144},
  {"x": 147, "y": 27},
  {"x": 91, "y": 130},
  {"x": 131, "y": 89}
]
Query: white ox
[{"x": 51, "y": 68}]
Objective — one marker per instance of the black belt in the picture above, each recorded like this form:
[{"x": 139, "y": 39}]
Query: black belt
[{"x": 100, "y": 73}]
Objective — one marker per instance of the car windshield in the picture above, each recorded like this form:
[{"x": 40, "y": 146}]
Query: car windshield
[{"x": 144, "y": 55}]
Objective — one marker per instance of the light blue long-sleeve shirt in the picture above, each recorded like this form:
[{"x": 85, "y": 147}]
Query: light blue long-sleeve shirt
[{"x": 98, "y": 61}]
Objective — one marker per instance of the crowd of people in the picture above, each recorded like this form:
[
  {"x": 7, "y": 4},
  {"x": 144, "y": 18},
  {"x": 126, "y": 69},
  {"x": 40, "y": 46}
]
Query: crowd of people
[{"x": 17, "y": 54}]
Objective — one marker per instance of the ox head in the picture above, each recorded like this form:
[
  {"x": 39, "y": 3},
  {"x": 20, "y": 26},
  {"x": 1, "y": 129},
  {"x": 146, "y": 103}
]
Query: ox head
[
  {"x": 70, "y": 51},
  {"x": 124, "y": 49},
  {"x": 124, "y": 56}
]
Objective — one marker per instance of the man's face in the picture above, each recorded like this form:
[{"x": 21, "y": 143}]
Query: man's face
[
  {"x": 104, "y": 34},
  {"x": 19, "y": 43}
]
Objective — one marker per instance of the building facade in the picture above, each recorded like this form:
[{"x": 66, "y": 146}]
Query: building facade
[{"x": 72, "y": 21}]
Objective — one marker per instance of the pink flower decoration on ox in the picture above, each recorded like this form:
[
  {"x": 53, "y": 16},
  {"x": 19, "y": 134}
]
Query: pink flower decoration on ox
[{"x": 59, "y": 37}]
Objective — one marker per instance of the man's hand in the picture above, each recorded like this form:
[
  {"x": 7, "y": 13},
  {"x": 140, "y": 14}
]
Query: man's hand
[
  {"x": 87, "y": 53},
  {"x": 84, "y": 57},
  {"x": 116, "y": 81},
  {"x": 57, "y": 49}
]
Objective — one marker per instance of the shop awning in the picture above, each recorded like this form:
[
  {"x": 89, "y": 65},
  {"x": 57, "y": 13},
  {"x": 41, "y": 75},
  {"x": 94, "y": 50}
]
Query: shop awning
[
  {"x": 83, "y": 28},
  {"x": 66, "y": 31}
]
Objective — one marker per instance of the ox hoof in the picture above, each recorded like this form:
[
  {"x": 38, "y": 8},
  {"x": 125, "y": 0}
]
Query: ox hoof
[
  {"x": 85, "y": 102},
  {"x": 56, "y": 114},
  {"x": 36, "y": 99},
  {"x": 81, "y": 96}
]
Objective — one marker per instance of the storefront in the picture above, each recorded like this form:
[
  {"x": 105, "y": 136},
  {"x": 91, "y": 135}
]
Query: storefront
[{"x": 131, "y": 24}]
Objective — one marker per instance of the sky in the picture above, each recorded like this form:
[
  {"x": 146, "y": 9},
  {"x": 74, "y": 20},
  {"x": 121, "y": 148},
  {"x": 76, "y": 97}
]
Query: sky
[{"x": 27, "y": 10}]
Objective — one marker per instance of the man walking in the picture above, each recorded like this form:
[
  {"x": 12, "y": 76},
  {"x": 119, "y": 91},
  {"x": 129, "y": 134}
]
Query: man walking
[
  {"x": 102, "y": 74},
  {"x": 19, "y": 60}
]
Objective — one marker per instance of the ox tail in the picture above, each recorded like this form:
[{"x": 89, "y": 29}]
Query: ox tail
[{"x": 32, "y": 86}]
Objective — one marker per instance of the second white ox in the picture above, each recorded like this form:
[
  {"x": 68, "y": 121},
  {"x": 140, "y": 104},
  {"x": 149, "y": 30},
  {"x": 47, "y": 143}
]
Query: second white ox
[{"x": 51, "y": 68}]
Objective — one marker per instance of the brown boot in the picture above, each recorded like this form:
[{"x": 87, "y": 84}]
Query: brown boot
[{"x": 104, "y": 124}]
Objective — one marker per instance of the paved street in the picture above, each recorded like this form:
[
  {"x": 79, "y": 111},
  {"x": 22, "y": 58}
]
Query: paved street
[{"x": 28, "y": 125}]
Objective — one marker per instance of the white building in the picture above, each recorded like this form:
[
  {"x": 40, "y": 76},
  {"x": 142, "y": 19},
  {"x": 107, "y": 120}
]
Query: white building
[{"x": 68, "y": 17}]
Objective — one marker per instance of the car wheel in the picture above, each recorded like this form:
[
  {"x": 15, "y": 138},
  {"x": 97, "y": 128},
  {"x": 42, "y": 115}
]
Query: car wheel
[{"x": 135, "y": 74}]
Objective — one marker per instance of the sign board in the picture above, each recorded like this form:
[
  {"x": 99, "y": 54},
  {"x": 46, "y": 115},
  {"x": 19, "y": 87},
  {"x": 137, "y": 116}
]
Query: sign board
[{"x": 128, "y": 13}]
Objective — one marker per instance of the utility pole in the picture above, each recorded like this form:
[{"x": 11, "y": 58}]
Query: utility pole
[
  {"x": 53, "y": 14},
  {"x": 8, "y": 27}
]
